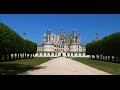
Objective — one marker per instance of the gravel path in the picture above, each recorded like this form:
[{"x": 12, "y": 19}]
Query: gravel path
[{"x": 64, "y": 66}]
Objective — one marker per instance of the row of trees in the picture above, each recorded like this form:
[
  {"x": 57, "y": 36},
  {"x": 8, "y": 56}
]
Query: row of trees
[
  {"x": 108, "y": 48},
  {"x": 13, "y": 46}
]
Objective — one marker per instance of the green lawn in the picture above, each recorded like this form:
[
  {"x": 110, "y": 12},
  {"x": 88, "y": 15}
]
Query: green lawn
[
  {"x": 110, "y": 67},
  {"x": 19, "y": 66}
]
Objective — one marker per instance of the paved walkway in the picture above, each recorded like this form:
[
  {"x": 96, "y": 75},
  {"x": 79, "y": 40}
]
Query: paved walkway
[{"x": 64, "y": 66}]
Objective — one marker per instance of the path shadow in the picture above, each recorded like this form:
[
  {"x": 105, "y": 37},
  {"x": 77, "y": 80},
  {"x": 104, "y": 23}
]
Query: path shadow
[
  {"x": 40, "y": 67},
  {"x": 13, "y": 69}
]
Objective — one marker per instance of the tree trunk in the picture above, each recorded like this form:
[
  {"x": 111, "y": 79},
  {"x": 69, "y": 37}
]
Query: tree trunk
[
  {"x": 19, "y": 56},
  {"x": 118, "y": 59},
  {"x": 110, "y": 58},
  {"x": 22, "y": 56},
  {"x": 32, "y": 55},
  {"x": 0, "y": 56},
  {"x": 26, "y": 55},
  {"x": 29, "y": 55},
  {"x": 9, "y": 56},
  {"x": 95, "y": 57},
  {"x": 13, "y": 56},
  {"x": 107, "y": 57},
  {"x": 91, "y": 56},
  {"x": 99, "y": 57},
  {"x": 115, "y": 58},
  {"x": 102, "y": 57},
  {"x": 5, "y": 56}
]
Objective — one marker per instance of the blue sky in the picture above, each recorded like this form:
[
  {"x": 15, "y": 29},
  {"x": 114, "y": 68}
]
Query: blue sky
[{"x": 87, "y": 25}]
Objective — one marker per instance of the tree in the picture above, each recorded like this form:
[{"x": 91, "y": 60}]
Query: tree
[
  {"x": 108, "y": 47},
  {"x": 12, "y": 43}
]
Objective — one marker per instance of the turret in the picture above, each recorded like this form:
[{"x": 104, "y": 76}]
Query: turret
[{"x": 74, "y": 37}]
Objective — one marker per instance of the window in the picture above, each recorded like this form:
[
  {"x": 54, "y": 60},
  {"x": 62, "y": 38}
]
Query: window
[
  {"x": 38, "y": 53},
  {"x": 73, "y": 54},
  {"x": 50, "y": 53},
  {"x": 81, "y": 54}
]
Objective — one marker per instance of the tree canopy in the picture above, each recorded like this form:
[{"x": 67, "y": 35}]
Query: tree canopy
[
  {"x": 109, "y": 47},
  {"x": 12, "y": 43}
]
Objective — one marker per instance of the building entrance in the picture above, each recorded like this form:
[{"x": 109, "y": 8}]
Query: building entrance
[{"x": 61, "y": 55}]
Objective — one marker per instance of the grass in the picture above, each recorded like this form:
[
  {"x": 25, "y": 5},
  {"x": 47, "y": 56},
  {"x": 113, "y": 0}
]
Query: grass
[
  {"x": 110, "y": 67},
  {"x": 19, "y": 66}
]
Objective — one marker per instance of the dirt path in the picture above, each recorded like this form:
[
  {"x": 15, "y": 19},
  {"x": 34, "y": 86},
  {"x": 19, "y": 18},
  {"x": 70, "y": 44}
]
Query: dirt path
[{"x": 64, "y": 66}]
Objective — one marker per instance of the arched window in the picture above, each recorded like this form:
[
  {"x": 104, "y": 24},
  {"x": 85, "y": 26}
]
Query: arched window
[
  {"x": 81, "y": 54},
  {"x": 73, "y": 54}
]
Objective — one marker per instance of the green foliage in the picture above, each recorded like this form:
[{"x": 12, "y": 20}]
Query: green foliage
[
  {"x": 11, "y": 42},
  {"x": 108, "y": 46}
]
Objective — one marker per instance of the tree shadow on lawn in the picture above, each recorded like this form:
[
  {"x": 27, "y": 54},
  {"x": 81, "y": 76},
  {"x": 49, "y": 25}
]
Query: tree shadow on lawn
[
  {"x": 32, "y": 69},
  {"x": 15, "y": 59},
  {"x": 13, "y": 69},
  {"x": 39, "y": 67}
]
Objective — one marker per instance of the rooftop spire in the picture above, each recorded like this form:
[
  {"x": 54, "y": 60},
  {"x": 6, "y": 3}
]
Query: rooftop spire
[
  {"x": 75, "y": 30},
  {"x": 48, "y": 29},
  {"x": 24, "y": 36},
  {"x": 61, "y": 29},
  {"x": 97, "y": 36}
]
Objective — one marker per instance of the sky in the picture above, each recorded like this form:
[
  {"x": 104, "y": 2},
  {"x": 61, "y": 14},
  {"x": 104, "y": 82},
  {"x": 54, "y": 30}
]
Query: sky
[{"x": 87, "y": 25}]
